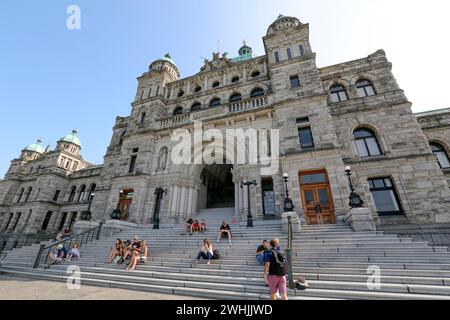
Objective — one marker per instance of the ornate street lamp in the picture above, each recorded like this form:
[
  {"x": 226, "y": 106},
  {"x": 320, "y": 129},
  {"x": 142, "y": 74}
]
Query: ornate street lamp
[
  {"x": 159, "y": 193},
  {"x": 249, "y": 214},
  {"x": 288, "y": 203},
  {"x": 355, "y": 199},
  {"x": 87, "y": 215}
]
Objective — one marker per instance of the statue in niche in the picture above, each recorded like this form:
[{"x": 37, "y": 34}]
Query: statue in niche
[{"x": 162, "y": 159}]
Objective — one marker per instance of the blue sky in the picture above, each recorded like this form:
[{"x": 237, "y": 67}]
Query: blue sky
[{"x": 53, "y": 79}]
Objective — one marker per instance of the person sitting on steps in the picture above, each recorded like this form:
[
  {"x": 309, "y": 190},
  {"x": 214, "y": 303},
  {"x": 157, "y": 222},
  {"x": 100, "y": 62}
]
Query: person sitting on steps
[
  {"x": 188, "y": 226},
  {"x": 196, "y": 226},
  {"x": 206, "y": 252},
  {"x": 260, "y": 252},
  {"x": 134, "y": 249},
  {"x": 116, "y": 251},
  {"x": 139, "y": 256},
  {"x": 202, "y": 226},
  {"x": 74, "y": 252},
  {"x": 225, "y": 231},
  {"x": 126, "y": 247}
]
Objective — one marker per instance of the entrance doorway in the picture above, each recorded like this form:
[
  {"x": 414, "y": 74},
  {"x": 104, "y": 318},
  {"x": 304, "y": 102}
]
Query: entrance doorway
[
  {"x": 217, "y": 188},
  {"x": 125, "y": 200},
  {"x": 316, "y": 197}
]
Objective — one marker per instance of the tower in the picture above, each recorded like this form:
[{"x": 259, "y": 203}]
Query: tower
[{"x": 70, "y": 144}]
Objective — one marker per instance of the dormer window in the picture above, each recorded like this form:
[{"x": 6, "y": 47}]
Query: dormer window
[
  {"x": 216, "y": 84},
  {"x": 234, "y": 79},
  {"x": 180, "y": 93},
  {"x": 256, "y": 74},
  {"x": 197, "y": 89}
]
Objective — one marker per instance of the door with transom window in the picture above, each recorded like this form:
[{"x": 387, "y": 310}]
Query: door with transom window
[{"x": 316, "y": 197}]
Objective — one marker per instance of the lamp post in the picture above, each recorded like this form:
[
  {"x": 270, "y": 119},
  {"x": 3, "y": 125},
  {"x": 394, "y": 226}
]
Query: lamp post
[
  {"x": 355, "y": 199},
  {"x": 87, "y": 215},
  {"x": 288, "y": 203},
  {"x": 249, "y": 214},
  {"x": 117, "y": 213},
  {"x": 159, "y": 193}
]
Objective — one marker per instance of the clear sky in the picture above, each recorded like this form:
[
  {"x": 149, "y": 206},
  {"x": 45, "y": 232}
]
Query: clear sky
[{"x": 53, "y": 79}]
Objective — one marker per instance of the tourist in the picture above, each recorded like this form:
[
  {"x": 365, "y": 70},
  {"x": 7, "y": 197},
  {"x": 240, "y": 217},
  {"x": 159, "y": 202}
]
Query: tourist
[
  {"x": 139, "y": 256},
  {"x": 74, "y": 252},
  {"x": 57, "y": 256},
  {"x": 116, "y": 251},
  {"x": 59, "y": 236},
  {"x": 275, "y": 271},
  {"x": 260, "y": 252},
  {"x": 196, "y": 226},
  {"x": 133, "y": 249},
  {"x": 207, "y": 251},
  {"x": 67, "y": 233},
  {"x": 202, "y": 226},
  {"x": 126, "y": 247},
  {"x": 225, "y": 231},
  {"x": 189, "y": 225}
]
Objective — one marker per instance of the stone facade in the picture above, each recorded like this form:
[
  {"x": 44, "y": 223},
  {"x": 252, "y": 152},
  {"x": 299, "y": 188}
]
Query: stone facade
[{"x": 284, "y": 90}]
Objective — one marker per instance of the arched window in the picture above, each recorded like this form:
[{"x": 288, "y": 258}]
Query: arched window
[
  {"x": 216, "y": 84},
  {"x": 178, "y": 111},
  {"x": 28, "y": 194},
  {"x": 9, "y": 221},
  {"x": 91, "y": 191},
  {"x": 180, "y": 93},
  {"x": 47, "y": 218},
  {"x": 364, "y": 88},
  {"x": 257, "y": 92},
  {"x": 236, "y": 97},
  {"x": 214, "y": 102},
  {"x": 234, "y": 79},
  {"x": 196, "y": 106},
  {"x": 17, "y": 221},
  {"x": 256, "y": 74},
  {"x": 441, "y": 155},
  {"x": 366, "y": 143},
  {"x": 20, "y": 195},
  {"x": 338, "y": 93},
  {"x": 197, "y": 89},
  {"x": 82, "y": 193},
  {"x": 72, "y": 194}
]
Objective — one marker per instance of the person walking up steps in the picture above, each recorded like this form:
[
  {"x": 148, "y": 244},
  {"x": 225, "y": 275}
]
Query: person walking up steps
[{"x": 275, "y": 271}]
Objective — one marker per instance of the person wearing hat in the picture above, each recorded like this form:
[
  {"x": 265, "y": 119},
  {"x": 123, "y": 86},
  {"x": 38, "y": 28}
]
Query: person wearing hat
[{"x": 134, "y": 248}]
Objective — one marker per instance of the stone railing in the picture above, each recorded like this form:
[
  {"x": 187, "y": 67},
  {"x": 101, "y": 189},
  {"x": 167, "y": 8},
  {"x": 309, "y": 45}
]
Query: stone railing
[
  {"x": 219, "y": 111},
  {"x": 247, "y": 104}
]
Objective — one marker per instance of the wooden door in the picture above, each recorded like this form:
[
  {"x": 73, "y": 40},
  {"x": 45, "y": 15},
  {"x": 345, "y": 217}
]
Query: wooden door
[{"x": 317, "y": 199}]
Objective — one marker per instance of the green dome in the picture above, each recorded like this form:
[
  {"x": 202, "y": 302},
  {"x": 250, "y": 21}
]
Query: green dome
[
  {"x": 35, "y": 147},
  {"x": 168, "y": 58},
  {"x": 245, "y": 49},
  {"x": 72, "y": 138}
]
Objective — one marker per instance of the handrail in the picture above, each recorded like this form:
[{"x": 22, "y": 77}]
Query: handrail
[
  {"x": 289, "y": 254},
  {"x": 80, "y": 239},
  {"x": 3, "y": 255}
]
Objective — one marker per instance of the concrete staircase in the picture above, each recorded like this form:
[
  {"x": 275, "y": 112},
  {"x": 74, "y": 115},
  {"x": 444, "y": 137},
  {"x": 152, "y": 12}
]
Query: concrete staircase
[{"x": 334, "y": 259}]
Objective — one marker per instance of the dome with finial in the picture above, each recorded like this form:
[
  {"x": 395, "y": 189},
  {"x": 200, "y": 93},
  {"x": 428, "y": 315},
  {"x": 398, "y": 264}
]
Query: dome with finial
[
  {"x": 35, "y": 147},
  {"x": 283, "y": 23},
  {"x": 72, "y": 138},
  {"x": 161, "y": 63},
  {"x": 245, "y": 49}
]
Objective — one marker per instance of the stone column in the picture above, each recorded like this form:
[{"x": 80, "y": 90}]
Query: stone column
[
  {"x": 182, "y": 209},
  {"x": 245, "y": 204},
  {"x": 195, "y": 200},
  {"x": 175, "y": 203},
  {"x": 241, "y": 198},
  {"x": 236, "y": 199},
  {"x": 190, "y": 201}
]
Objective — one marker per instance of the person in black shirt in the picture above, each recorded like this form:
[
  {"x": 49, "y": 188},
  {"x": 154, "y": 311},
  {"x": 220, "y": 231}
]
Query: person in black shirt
[
  {"x": 260, "y": 252},
  {"x": 189, "y": 225},
  {"x": 225, "y": 231}
]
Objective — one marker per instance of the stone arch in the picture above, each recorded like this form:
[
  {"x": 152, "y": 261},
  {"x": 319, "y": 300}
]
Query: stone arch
[
  {"x": 378, "y": 135},
  {"x": 367, "y": 76},
  {"x": 338, "y": 81}
]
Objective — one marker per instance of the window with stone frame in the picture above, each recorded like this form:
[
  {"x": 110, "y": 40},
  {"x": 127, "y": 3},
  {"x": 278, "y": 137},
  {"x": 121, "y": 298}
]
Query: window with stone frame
[
  {"x": 277, "y": 57},
  {"x": 385, "y": 196},
  {"x": 338, "y": 93},
  {"x": 441, "y": 155},
  {"x": 289, "y": 53},
  {"x": 235, "y": 97},
  {"x": 305, "y": 135},
  {"x": 364, "y": 88},
  {"x": 295, "y": 81},
  {"x": 366, "y": 143},
  {"x": 215, "y": 102},
  {"x": 178, "y": 111}
]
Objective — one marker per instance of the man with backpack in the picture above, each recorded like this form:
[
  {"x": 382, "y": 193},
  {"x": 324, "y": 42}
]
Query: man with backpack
[{"x": 275, "y": 271}]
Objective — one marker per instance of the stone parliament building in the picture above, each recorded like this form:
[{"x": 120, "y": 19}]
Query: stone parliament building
[{"x": 350, "y": 114}]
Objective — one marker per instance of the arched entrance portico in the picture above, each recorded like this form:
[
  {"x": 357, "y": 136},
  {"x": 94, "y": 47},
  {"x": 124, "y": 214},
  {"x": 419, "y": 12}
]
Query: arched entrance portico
[{"x": 217, "y": 189}]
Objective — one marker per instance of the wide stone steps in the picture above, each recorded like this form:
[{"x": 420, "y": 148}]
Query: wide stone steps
[{"x": 334, "y": 259}]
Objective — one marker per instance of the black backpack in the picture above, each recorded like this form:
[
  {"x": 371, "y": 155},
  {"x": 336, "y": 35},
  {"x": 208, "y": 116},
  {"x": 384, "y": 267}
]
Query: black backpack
[
  {"x": 216, "y": 255},
  {"x": 278, "y": 264}
]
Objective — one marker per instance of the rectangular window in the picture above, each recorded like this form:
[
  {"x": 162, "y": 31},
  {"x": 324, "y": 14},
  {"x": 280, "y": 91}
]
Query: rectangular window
[
  {"x": 385, "y": 196},
  {"x": 132, "y": 164},
  {"x": 306, "y": 138},
  {"x": 142, "y": 95},
  {"x": 302, "y": 50},
  {"x": 142, "y": 118},
  {"x": 289, "y": 53},
  {"x": 295, "y": 82},
  {"x": 56, "y": 196},
  {"x": 149, "y": 93},
  {"x": 302, "y": 120},
  {"x": 277, "y": 57}
]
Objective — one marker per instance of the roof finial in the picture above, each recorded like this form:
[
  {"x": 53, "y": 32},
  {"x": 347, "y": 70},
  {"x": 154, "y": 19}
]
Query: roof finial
[
  {"x": 167, "y": 55},
  {"x": 39, "y": 141},
  {"x": 74, "y": 131},
  {"x": 244, "y": 42}
]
